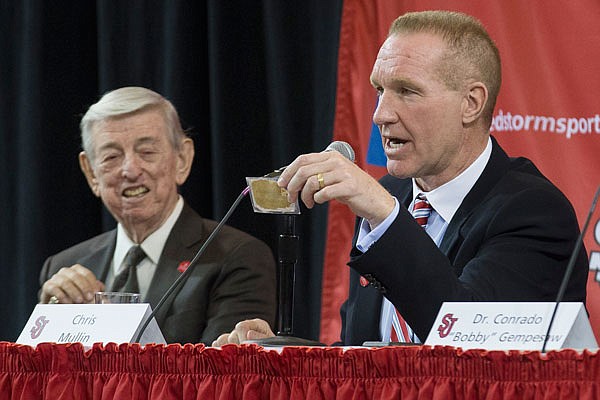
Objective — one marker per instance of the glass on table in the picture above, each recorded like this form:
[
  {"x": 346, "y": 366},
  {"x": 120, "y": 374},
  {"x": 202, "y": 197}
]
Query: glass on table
[{"x": 116, "y": 298}]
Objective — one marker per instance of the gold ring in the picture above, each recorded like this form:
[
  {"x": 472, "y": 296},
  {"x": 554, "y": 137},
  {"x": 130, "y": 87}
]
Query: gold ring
[
  {"x": 53, "y": 300},
  {"x": 320, "y": 180}
]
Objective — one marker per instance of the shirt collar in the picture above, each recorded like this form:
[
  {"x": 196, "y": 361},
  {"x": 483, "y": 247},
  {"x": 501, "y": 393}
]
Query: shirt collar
[
  {"x": 446, "y": 199},
  {"x": 154, "y": 244}
]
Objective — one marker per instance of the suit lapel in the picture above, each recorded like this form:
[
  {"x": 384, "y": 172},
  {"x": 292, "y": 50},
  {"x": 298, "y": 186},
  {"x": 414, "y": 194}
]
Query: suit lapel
[
  {"x": 100, "y": 255},
  {"x": 492, "y": 173},
  {"x": 187, "y": 231}
]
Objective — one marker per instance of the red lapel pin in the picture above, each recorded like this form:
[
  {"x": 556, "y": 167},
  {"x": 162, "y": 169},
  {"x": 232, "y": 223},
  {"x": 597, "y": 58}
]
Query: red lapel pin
[
  {"x": 183, "y": 266},
  {"x": 364, "y": 282}
]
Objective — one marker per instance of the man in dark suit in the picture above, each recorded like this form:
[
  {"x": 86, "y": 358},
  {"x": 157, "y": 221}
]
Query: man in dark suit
[
  {"x": 135, "y": 156},
  {"x": 485, "y": 227}
]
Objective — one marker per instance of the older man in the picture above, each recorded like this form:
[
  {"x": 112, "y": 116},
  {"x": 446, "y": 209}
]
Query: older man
[
  {"x": 456, "y": 219},
  {"x": 135, "y": 156}
]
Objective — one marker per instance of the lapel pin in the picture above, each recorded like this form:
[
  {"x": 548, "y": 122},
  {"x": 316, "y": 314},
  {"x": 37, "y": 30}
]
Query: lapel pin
[{"x": 183, "y": 266}]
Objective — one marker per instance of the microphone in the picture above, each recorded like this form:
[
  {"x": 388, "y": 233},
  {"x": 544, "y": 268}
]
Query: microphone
[
  {"x": 570, "y": 266},
  {"x": 341, "y": 147}
]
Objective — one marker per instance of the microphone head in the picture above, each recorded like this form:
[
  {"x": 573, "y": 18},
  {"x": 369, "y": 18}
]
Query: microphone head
[{"x": 343, "y": 148}]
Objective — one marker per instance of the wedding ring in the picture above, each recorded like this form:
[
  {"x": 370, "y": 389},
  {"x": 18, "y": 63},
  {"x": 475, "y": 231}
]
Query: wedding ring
[
  {"x": 53, "y": 300},
  {"x": 320, "y": 180}
]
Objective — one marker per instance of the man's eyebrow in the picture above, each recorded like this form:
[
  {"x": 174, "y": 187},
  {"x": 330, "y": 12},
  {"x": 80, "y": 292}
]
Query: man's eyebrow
[
  {"x": 115, "y": 145},
  {"x": 400, "y": 82},
  {"x": 108, "y": 146},
  {"x": 395, "y": 82},
  {"x": 146, "y": 139}
]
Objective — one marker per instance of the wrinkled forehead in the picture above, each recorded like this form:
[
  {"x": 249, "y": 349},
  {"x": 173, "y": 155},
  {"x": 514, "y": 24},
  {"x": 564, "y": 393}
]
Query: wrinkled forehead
[{"x": 148, "y": 125}]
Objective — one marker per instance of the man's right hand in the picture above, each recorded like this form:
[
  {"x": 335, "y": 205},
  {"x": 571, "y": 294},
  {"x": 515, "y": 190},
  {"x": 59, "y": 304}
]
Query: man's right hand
[
  {"x": 341, "y": 180},
  {"x": 75, "y": 284},
  {"x": 250, "y": 329}
]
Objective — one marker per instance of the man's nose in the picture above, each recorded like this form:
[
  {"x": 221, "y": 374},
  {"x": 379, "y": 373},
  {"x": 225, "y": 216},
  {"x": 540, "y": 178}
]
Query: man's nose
[
  {"x": 384, "y": 112},
  {"x": 131, "y": 166}
]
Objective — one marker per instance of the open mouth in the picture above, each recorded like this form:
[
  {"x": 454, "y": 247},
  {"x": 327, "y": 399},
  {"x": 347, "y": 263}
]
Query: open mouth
[
  {"x": 395, "y": 143},
  {"x": 134, "y": 192}
]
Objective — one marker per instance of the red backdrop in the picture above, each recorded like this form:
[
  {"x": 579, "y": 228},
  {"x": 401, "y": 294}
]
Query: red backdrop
[{"x": 547, "y": 109}]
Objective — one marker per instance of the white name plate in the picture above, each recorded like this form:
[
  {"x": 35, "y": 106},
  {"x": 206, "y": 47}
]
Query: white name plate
[
  {"x": 89, "y": 324},
  {"x": 512, "y": 326}
]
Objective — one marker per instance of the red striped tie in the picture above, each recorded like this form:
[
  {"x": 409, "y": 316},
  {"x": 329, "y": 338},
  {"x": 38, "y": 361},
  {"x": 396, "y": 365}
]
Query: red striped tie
[
  {"x": 421, "y": 212},
  {"x": 404, "y": 336}
]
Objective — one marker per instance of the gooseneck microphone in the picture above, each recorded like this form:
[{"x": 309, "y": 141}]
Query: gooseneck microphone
[
  {"x": 570, "y": 266},
  {"x": 184, "y": 276},
  {"x": 342, "y": 147}
]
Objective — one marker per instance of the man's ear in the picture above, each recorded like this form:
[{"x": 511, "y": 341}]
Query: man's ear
[
  {"x": 476, "y": 97},
  {"x": 184, "y": 161},
  {"x": 88, "y": 171}
]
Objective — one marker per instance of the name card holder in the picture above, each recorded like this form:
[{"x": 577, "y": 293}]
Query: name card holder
[
  {"x": 512, "y": 326},
  {"x": 89, "y": 324}
]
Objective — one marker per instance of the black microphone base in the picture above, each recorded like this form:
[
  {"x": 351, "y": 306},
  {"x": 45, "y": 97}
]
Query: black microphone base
[{"x": 278, "y": 341}]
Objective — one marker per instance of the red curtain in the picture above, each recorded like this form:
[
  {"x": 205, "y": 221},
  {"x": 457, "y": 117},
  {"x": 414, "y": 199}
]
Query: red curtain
[{"x": 125, "y": 371}]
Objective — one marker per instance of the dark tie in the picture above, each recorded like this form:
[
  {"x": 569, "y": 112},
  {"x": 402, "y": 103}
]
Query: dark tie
[
  {"x": 126, "y": 280},
  {"x": 421, "y": 212}
]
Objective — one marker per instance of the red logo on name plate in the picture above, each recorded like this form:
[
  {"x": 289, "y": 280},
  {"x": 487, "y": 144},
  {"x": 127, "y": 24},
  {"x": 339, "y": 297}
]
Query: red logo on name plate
[
  {"x": 445, "y": 327},
  {"x": 40, "y": 324}
]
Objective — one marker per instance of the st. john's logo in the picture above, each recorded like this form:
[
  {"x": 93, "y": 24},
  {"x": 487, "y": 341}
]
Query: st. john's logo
[
  {"x": 445, "y": 327},
  {"x": 39, "y": 326}
]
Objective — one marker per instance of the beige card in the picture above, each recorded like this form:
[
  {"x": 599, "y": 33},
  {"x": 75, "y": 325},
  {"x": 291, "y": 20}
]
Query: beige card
[{"x": 268, "y": 198}]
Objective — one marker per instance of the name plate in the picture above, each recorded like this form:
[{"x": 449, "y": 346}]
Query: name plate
[
  {"x": 89, "y": 324},
  {"x": 512, "y": 326}
]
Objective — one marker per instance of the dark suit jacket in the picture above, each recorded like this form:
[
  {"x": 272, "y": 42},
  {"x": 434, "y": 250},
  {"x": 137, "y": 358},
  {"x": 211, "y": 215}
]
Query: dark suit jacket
[
  {"x": 234, "y": 280},
  {"x": 510, "y": 240}
]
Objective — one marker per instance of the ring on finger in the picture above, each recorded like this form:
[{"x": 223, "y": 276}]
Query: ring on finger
[
  {"x": 53, "y": 300},
  {"x": 321, "y": 180}
]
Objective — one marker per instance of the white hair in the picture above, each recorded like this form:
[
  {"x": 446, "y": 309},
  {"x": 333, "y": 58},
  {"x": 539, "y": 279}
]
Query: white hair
[{"x": 128, "y": 100}]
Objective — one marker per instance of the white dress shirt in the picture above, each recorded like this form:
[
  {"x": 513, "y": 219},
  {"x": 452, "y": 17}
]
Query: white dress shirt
[
  {"x": 444, "y": 200},
  {"x": 153, "y": 246}
]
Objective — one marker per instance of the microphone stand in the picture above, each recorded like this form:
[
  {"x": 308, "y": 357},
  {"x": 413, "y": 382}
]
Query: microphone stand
[
  {"x": 288, "y": 248},
  {"x": 288, "y": 256},
  {"x": 570, "y": 266}
]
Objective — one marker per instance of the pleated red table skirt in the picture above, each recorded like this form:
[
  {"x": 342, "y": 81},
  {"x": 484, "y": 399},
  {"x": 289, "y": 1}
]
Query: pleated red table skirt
[{"x": 67, "y": 371}]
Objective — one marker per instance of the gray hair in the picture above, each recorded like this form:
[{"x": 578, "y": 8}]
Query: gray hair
[{"x": 129, "y": 100}]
